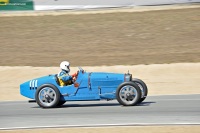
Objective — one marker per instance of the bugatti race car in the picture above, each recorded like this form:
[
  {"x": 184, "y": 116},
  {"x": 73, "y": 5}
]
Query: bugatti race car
[{"x": 88, "y": 86}]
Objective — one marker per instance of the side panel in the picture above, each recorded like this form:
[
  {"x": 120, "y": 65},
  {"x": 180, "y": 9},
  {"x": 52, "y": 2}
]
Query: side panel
[
  {"x": 106, "y": 84},
  {"x": 83, "y": 92}
]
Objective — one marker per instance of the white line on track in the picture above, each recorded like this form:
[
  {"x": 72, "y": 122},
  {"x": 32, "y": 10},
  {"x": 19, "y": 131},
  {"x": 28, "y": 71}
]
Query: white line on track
[{"x": 98, "y": 125}]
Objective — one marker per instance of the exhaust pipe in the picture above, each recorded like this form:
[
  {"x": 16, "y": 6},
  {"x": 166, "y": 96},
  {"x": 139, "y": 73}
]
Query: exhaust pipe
[{"x": 31, "y": 101}]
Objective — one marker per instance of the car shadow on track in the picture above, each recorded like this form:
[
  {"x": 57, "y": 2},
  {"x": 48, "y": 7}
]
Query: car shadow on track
[
  {"x": 67, "y": 105},
  {"x": 102, "y": 105},
  {"x": 145, "y": 104},
  {"x": 89, "y": 105}
]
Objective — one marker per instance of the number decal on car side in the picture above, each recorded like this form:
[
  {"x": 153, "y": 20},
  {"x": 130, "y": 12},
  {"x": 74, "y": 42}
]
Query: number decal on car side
[{"x": 33, "y": 84}]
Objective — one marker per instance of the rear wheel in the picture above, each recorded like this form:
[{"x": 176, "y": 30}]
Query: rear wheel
[
  {"x": 128, "y": 94},
  {"x": 47, "y": 96},
  {"x": 143, "y": 87}
]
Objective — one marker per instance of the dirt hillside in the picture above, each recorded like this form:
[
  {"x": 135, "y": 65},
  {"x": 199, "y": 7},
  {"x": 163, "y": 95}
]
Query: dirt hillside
[{"x": 121, "y": 38}]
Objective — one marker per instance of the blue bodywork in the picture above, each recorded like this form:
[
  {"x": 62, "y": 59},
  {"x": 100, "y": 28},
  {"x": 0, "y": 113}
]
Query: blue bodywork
[{"x": 92, "y": 86}]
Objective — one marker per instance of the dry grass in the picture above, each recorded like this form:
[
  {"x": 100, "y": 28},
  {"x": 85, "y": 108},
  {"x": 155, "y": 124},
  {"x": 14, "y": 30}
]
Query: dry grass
[{"x": 101, "y": 39}]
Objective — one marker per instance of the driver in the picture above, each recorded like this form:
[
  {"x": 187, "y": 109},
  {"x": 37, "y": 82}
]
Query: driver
[{"x": 63, "y": 76}]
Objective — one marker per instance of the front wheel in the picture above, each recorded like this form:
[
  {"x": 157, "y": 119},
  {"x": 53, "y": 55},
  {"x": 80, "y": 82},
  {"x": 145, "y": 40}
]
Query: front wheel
[
  {"x": 47, "y": 96},
  {"x": 128, "y": 94}
]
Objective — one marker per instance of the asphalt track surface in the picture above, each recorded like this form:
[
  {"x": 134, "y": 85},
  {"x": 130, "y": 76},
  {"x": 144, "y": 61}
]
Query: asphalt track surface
[{"x": 155, "y": 110}]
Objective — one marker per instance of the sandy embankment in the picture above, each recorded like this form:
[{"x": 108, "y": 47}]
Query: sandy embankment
[
  {"x": 134, "y": 129},
  {"x": 165, "y": 79}
]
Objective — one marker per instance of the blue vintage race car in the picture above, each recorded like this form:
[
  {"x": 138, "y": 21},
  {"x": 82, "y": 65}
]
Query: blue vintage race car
[{"x": 47, "y": 92}]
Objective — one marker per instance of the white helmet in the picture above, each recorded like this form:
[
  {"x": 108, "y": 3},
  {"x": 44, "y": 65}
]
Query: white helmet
[{"x": 65, "y": 66}]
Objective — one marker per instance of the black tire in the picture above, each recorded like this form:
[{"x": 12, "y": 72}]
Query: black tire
[
  {"x": 143, "y": 87},
  {"x": 60, "y": 103},
  {"x": 128, "y": 99},
  {"x": 51, "y": 93}
]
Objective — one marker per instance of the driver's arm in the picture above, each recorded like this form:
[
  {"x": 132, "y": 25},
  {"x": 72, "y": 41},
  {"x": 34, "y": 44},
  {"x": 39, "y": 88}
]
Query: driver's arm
[{"x": 66, "y": 78}]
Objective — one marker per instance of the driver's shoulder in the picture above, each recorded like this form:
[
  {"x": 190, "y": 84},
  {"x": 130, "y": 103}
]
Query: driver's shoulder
[{"x": 61, "y": 73}]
